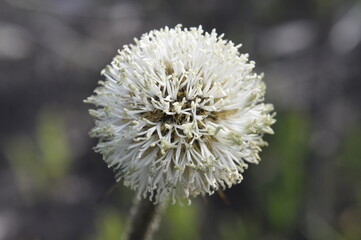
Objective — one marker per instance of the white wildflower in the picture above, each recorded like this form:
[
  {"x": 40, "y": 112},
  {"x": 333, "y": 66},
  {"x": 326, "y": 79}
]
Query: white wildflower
[{"x": 180, "y": 114}]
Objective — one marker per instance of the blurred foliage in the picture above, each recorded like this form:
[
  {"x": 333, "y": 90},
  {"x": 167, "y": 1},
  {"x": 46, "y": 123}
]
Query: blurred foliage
[
  {"x": 351, "y": 153},
  {"x": 38, "y": 163},
  {"x": 53, "y": 143},
  {"x": 289, "y": 149},
  {"x": 350, "y": 166},
  {"x": 109, "y": 225},
  {"x": 181, "y": 222},
  {"x": 235, "y": 228}
]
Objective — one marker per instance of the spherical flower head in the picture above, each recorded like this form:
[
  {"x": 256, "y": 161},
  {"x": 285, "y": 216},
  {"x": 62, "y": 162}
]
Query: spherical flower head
[{"x": 180, "y": 114}]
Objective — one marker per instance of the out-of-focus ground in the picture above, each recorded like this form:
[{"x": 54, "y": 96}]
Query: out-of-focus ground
[{"x": 308, "y": 185}]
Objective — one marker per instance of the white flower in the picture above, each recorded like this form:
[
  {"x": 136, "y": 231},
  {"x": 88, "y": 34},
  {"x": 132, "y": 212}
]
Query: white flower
[{"x": 180, "y": 114}]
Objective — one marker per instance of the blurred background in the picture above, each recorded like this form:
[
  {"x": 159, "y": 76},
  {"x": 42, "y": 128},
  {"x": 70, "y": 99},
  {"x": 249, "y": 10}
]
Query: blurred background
[{"x": 308, "y": 185}]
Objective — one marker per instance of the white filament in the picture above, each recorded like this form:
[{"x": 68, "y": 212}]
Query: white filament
[{"x": 180, "y": 114}]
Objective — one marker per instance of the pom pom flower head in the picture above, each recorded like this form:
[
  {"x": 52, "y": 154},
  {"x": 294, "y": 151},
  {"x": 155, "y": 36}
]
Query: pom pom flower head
[{"x": 180, "y": 114}]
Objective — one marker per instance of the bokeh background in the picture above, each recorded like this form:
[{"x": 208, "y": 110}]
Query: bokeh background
[{"x": 308, "y": 185}]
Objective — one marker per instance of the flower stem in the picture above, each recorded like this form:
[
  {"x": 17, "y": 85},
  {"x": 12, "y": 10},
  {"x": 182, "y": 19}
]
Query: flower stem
[{"x": 145, "y": 219}]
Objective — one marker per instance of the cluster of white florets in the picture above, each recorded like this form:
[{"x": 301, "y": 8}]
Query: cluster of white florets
[{"x": 180, "y": 114}]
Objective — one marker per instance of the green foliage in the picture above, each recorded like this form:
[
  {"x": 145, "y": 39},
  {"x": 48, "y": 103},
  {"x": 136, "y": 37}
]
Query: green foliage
[
  {"x": 350, "y": 166},
  {"x": 109, "y": 225},
  {"x": 350, "y": 157},
  {"x": 182, "y": 222},
  {"x": 237, "y": 228},
  {"x": 53, "y": 143},
  {"x": 38, "y": 163},
  {"x": 289, "y": 149}
]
